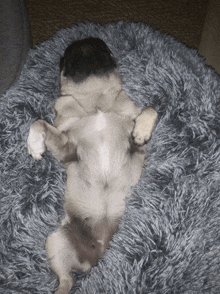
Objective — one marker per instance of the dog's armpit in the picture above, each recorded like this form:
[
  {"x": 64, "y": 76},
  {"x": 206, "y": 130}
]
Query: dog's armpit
[
  {"x": 144, "y": 125},
  {"x": 69, "y": 153},
  {"x": 125, "y": 106}
]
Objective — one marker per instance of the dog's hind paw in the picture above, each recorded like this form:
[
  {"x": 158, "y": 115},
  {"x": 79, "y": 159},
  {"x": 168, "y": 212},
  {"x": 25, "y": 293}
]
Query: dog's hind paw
[
  {"x": 36, "y": 141},
  {"x": 65, "y": 285}
]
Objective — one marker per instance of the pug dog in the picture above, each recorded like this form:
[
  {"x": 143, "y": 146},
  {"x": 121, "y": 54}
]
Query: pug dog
[{"x": 99, "y": 134}]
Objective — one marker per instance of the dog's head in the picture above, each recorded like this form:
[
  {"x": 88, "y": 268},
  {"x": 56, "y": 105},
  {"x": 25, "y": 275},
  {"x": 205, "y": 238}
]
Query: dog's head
[
  {"x": 89, "y": 73},
  {"x": 83, "y": 58}
]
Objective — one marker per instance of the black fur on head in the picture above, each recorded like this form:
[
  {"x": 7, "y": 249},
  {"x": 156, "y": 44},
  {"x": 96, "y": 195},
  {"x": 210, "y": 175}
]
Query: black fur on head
[{"x": 90, "y": 56}]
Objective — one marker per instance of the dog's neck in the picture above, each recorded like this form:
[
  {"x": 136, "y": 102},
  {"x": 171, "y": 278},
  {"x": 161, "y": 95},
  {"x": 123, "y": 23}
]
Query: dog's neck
[{"x": 92, "y": 92}]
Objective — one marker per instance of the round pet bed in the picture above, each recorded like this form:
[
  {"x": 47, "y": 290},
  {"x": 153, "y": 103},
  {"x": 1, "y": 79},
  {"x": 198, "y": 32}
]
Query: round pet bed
[{"x": 169, "y": 237}]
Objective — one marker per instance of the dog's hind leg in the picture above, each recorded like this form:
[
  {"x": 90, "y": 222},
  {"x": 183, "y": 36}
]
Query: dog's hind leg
[
  {"x": 59, "y": 256},
  {"x": 63, "y": 259}
]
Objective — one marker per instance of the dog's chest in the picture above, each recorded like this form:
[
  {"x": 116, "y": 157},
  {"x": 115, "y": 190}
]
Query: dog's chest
[
  {"x": 101, "y": 127},
  {"x": 102, "y": 144}
]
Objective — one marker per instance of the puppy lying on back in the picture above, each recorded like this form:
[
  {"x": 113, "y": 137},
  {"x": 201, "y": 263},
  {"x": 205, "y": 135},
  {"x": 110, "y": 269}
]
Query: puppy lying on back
[{"x": 97, "y": 133}]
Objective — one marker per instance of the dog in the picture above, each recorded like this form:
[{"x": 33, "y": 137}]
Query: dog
[{"x": 99, "y": 134}]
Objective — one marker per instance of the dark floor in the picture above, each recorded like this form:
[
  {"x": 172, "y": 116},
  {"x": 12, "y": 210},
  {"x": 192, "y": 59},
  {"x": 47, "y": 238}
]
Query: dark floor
[{"x": 181, "y": 18}]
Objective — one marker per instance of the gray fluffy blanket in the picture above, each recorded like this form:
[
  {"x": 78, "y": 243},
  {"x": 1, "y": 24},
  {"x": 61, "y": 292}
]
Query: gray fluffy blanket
[{"x": 169, "y": 237}]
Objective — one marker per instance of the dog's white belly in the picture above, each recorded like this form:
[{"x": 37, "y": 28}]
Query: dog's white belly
[
  {"x": 94, "y": 199},
  {"x": 98, "y": 184}
]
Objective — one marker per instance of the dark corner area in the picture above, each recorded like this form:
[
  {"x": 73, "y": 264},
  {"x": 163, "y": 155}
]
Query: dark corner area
[{"x": 183, "y": 19}]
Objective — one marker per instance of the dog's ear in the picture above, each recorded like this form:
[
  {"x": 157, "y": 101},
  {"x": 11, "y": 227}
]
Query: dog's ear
[{"x": 61, "y": 63}]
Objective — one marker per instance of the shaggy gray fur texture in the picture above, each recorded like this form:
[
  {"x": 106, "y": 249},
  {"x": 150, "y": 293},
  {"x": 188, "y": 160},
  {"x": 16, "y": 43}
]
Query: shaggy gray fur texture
[{"x": 169, "y": 238}]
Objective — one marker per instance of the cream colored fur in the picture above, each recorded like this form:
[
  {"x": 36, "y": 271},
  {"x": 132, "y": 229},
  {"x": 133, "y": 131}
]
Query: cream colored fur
[{"x": 95, "y": 121}]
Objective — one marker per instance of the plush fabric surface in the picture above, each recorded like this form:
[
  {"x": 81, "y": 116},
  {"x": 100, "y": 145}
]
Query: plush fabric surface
[
  {"x": 15, "y": 41},
  {"x": 169, "y": 237}
]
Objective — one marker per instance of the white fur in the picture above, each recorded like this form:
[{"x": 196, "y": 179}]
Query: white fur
[
  {"x": 103, "y": 148},
  {"x": 36, "y": 141},
  {"x": 104, "y": 156},
  {"x": 100, "y": 123}
]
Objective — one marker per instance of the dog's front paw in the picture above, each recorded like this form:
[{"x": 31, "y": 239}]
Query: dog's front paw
[
  {"x": 144, "y": 126},
  {"x": 36, "y": 141}
]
